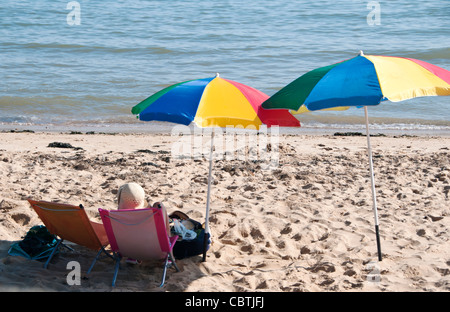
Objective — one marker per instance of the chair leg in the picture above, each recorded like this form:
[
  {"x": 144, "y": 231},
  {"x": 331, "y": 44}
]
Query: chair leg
[
  {"x": 107, "y": 253},
  {"x": 53, "y": 253},
  {"x": 166, "y": 262},
  {"x": 98, "y": 257},
  {"x": 166, "y": 265},
  {"x": 116, "y": 270},
  {"x": 68, "y": 247},
  {"x": 173, "y": 262},
  {"x": 93, "y": 262}
]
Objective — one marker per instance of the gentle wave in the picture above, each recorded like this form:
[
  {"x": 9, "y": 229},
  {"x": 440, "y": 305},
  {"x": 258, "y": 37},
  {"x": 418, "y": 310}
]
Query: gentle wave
[
  {"x": 77, "y": 48},
  {"x": 430, "y": 54}
]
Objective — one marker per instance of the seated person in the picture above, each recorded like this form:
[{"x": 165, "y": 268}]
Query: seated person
[{"x": 132, "y": 196}]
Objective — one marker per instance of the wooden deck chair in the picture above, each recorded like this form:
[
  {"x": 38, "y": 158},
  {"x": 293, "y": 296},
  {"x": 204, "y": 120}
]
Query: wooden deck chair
[
  {"x": 139, "y": 234},
  {"x": 69, "y": 222}
]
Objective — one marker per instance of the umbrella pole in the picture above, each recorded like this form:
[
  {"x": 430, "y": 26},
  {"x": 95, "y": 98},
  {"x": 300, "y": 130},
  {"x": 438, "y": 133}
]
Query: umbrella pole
[
  {"x": 372, "y": 179},
  {"x": 205, "y": 238}
]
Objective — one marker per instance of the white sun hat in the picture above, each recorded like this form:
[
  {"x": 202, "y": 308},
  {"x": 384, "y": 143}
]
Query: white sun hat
[{"x": 131, "y": 196}]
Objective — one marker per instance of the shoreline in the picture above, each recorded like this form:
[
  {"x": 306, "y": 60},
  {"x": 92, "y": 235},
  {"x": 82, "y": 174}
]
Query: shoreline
[{"x": 166, "y": 128}]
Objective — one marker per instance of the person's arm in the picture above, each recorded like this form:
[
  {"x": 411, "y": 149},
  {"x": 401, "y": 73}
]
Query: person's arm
[{"x": 166, "y": 216}]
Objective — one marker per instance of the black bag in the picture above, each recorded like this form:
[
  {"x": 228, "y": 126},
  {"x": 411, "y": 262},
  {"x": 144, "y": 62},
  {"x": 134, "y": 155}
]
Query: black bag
[
  {"x": 189, "y": 248},
  {"x": 37, "y": 244}
]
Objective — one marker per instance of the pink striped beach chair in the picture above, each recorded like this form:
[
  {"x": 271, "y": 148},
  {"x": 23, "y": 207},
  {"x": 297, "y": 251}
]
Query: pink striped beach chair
[{"x": 138, "y": 234}]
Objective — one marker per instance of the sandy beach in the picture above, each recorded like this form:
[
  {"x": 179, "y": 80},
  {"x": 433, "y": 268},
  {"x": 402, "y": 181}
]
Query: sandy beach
[{"x": 304, "y": 225}]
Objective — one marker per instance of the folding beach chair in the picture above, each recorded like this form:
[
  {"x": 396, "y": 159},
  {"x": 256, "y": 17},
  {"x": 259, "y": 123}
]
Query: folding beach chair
[
  {"x": 139, "y": 234},
  {"x": 71, "y": 223}
]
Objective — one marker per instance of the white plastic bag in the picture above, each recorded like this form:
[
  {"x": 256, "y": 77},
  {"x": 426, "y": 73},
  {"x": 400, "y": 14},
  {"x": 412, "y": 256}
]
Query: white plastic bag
[{"x": 180, "y": 230}]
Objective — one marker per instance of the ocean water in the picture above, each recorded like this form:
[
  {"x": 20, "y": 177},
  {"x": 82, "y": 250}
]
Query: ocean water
[{"x": 60, "y": 67}]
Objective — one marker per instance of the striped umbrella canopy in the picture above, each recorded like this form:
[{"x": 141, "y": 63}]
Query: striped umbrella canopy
[
  {"x": 362, "y": 81},
  {"x": 212, "y": 102}
]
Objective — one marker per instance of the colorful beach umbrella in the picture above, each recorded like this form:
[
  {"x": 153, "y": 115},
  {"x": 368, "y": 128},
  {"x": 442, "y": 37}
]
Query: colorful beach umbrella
[
  {"x": 363, "y": 81},
  {"x": 212, "y": 102}
]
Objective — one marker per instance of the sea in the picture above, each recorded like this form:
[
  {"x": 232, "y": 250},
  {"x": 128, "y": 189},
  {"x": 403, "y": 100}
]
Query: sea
[{"x": 82, "y": 65}]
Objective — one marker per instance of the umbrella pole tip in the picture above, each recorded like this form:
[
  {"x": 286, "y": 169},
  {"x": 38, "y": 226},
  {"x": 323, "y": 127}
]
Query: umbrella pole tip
[
  {"x": 217, "y": 74},
  {"x": 361, "y": 53}
]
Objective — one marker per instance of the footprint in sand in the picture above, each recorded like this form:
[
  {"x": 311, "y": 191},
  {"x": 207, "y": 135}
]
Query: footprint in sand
[
  {"x": 256, "y": 234},
  {"x": 21, "y": 218},
  {"x": 286, "y": 230}
]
